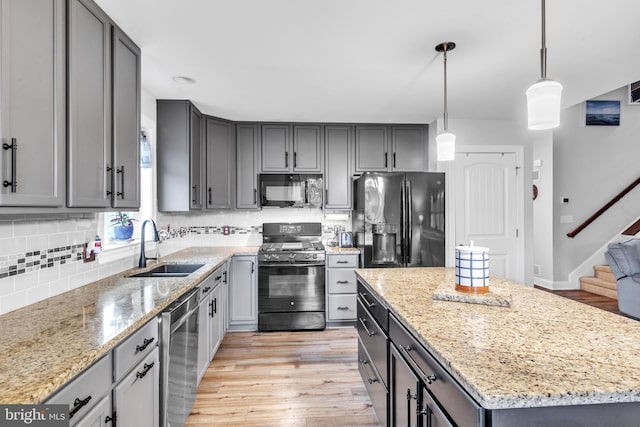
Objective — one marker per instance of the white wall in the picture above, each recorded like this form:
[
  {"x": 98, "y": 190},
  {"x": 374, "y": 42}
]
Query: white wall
[{"x": 591, "y": 165}]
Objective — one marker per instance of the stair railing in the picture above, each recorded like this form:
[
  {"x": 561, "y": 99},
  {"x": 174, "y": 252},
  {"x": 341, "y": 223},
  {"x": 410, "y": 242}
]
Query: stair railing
[{"x": 603, "y": 209}]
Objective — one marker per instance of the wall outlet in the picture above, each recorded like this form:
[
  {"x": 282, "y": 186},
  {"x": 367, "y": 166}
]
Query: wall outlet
[{"x": 536, "y": 269}]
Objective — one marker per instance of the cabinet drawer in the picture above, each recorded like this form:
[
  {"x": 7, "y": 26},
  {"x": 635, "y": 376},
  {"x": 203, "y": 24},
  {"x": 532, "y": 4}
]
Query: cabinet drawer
[
  {"x": 371, "y": 302},
  {"x": 375, "y": 387},
  {"x": 82, "y": 393},
  {"x": 460, "y": 407},
  {"x": 342, "y": 307},
  {"x": 133, "y": 349},
  {"x": 334, "y": 260},
  {"x": 341, "y": 281},
  {"x": 374, "y": 339}
]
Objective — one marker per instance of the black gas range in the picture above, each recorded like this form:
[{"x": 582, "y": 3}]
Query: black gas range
[{"x": 291, "y": 285}]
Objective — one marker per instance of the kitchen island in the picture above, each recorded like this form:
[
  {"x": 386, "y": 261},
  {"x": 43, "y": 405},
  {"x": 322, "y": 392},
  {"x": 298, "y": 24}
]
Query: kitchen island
[
  {"x": 542, "y": 359},
  {"x": 46, "y": 344}
]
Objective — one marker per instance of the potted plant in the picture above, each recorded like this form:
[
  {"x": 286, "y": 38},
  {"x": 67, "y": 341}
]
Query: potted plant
[{"x": 122, "y": 225}]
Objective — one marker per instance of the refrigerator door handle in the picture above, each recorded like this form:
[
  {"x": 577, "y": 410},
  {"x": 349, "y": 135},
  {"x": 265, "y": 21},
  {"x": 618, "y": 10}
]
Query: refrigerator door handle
[
  {"x": 403, "y": 223},
  {"x": 409, "y": 217}
]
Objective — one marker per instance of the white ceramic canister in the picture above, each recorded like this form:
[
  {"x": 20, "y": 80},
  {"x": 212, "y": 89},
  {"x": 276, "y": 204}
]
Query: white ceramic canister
[{"x": 472, "y": 269}]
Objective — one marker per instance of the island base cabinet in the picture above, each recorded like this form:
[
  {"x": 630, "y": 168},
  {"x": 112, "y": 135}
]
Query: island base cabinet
[
  {"x": 404, "y": 391},
  {"x": 376, "y": 389},
  {"x": 432, "y": 414},
  {"x": 136, "y": 397}
]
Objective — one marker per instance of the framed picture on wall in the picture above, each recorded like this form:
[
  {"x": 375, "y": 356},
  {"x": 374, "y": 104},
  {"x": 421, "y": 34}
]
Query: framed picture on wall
[
  {"x": 634, "y": 93},
  {"x": 602, "y": 113}
]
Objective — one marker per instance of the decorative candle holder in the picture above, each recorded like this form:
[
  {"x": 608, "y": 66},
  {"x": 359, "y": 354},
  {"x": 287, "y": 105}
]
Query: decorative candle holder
[{"x": 472, "y": 269}]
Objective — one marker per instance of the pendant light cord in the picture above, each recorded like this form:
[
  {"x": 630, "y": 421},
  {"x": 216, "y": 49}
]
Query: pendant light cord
[
  {"x": 446, "y": 115},
  {"x": 543, "y": 50}
]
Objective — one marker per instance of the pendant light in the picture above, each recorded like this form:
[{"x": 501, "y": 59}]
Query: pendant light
[
  {"x": 445, "y": 141},
  {"x": 543, "y": 97}
]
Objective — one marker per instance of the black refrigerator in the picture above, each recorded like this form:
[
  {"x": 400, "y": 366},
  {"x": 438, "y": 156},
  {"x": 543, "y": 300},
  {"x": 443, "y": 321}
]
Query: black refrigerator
[{"x": 398, "y": 219}]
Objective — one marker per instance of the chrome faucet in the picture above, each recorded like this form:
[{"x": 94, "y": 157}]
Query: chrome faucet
[{"x": 143, "y": 258}]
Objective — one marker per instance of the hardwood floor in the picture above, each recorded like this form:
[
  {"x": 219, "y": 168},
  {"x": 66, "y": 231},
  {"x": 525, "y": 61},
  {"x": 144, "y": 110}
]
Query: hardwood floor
[
  {"x": 284, "y": 379},
  {"x": 599, "y": 301}
]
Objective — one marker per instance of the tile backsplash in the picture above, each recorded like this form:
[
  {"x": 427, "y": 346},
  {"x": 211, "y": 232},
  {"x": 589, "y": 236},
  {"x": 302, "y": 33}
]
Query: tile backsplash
[{"x": 41, "y": 258}]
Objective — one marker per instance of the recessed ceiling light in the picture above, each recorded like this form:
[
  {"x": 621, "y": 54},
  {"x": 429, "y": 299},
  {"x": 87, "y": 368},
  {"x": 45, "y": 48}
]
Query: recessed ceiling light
[{"x": 184, "y": 80}]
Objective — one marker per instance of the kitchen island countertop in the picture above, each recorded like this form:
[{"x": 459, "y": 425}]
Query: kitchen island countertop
[
  {"x": 46, "y": 344},
  {"x": 544, "y": 350}
]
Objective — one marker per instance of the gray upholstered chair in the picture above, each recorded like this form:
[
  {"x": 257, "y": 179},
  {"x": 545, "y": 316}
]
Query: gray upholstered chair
[{"x": 624, "y": 260}]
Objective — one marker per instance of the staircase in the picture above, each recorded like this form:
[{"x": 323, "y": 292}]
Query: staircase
[{"x": 603, "y": 283}]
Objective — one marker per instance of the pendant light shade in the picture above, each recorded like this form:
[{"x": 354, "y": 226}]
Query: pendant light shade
[
  {"x": 543, "y": 104},
  {"x": 445, "y": 141},
  {"x": 446, "y": 146},
  {"x": 544, "y": 96}
]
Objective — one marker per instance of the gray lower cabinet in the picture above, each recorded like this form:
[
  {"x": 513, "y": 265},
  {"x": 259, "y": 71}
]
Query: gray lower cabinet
[
  {"x": 179, "y": 154},
  {"x": 124, "y": 385},
  {"x": 136, "y": 397},
  {"x": 338, "y": 149},
  {"x": 103, "y": 77},
  {"x": 100, "y": 415},
  {"x": 341, "y": 286},
  {"x": 247, "y": 165},
  {"x": 220, "y": 164},
  {"x": 33, "y": 106},
  {"x": 243, "y": 292}
]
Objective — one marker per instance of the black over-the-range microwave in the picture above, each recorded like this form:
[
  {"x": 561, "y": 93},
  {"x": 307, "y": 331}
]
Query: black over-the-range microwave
[{"x": 291, "y": 190}]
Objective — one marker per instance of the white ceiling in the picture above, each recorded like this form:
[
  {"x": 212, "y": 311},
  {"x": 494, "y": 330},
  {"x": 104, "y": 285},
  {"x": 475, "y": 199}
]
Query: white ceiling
[{"x": 374, "y": 60}]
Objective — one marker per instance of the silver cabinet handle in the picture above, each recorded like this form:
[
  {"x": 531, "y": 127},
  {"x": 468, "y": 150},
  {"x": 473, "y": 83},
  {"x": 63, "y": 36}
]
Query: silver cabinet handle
[
  {"x": 342, "y": 282},
  {"x": 362, "y": 322},
  {"x": 109, "y": 179},
  {"x": 343, "y": 308},
  {"x": 363, "y": 297},
  {"x": 427, "y": 378},
  {"x": 364, "y": 366}
]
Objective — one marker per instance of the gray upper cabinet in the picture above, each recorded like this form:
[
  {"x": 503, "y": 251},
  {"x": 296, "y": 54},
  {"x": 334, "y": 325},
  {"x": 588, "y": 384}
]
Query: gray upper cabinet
[
  {"x": 276, "y": 145},
  {"x": 408, "y": 148},
  {"x": 338, "y": 146},
  {"x": 248, "y": 155},
  {"x": 103, "y": 169},
  {"x": 307, "y": 148},
  {"x": 371, "y": 148},
  {"x": 390, "y": 148},
  {"x": 291, "y": 148},
  {"x": 179, "y": 145},
  {"x": 32, "y": 107},
  {"x": 89, "y": 106},
  {"x": 126, "y": 121},
  {"x": 220, "y": 164}
]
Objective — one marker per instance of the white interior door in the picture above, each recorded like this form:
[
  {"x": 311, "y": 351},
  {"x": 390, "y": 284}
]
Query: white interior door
[{"x": 486, "y": 209}]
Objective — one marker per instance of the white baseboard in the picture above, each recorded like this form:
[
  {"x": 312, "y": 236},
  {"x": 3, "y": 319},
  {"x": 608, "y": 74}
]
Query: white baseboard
[{"x": 555, "y": 286}]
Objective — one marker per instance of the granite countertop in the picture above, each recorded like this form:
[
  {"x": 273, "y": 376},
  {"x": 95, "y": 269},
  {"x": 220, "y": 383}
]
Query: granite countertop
[
  {"x": 44, "y": 345},
  {"x": 543, "y": 350}
]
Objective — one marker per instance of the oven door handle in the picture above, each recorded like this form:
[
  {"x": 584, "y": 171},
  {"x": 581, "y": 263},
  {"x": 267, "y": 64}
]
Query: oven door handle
[{"x": 285, "y": 264}]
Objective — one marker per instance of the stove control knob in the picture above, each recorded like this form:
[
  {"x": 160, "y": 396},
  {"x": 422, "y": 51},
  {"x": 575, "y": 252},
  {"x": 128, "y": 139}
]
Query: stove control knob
[
  {"x": 315, "y": 256},
  {"x": 307, "y": 256},
  {"x": 292, "y": 256}
]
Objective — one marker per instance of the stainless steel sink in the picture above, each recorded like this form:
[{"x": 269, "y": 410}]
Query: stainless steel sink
[{"x": 170, "y": 270}]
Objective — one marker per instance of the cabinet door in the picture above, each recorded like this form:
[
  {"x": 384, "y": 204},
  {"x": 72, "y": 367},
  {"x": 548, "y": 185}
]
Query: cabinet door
[
  {"x": 243, "y": 290},
  {"x": 203, "y": 337},
  {"x": 220, "y": 165},
  {"x": 33, "y": 106},
  {"x": 432, "y": 413},
  {"x": 403, "y": 391},
  {"x": 247, "y": 139},
  {"x": 215, "y": 321},
  {"x": 136, "y": 398},
  {"x": 195, "y": 157},
  {"x": 126, "y": 121},
  {"x": 101, "y": 415},
  {"x": 371, "y": 148},
  {"x": 89, "y": 106},
  {"x": 338, "y": 184},
  {"x": 275, "y": 148},
  {"x": 307, "y": 148},
  {"x": 408, "y": 148}
]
